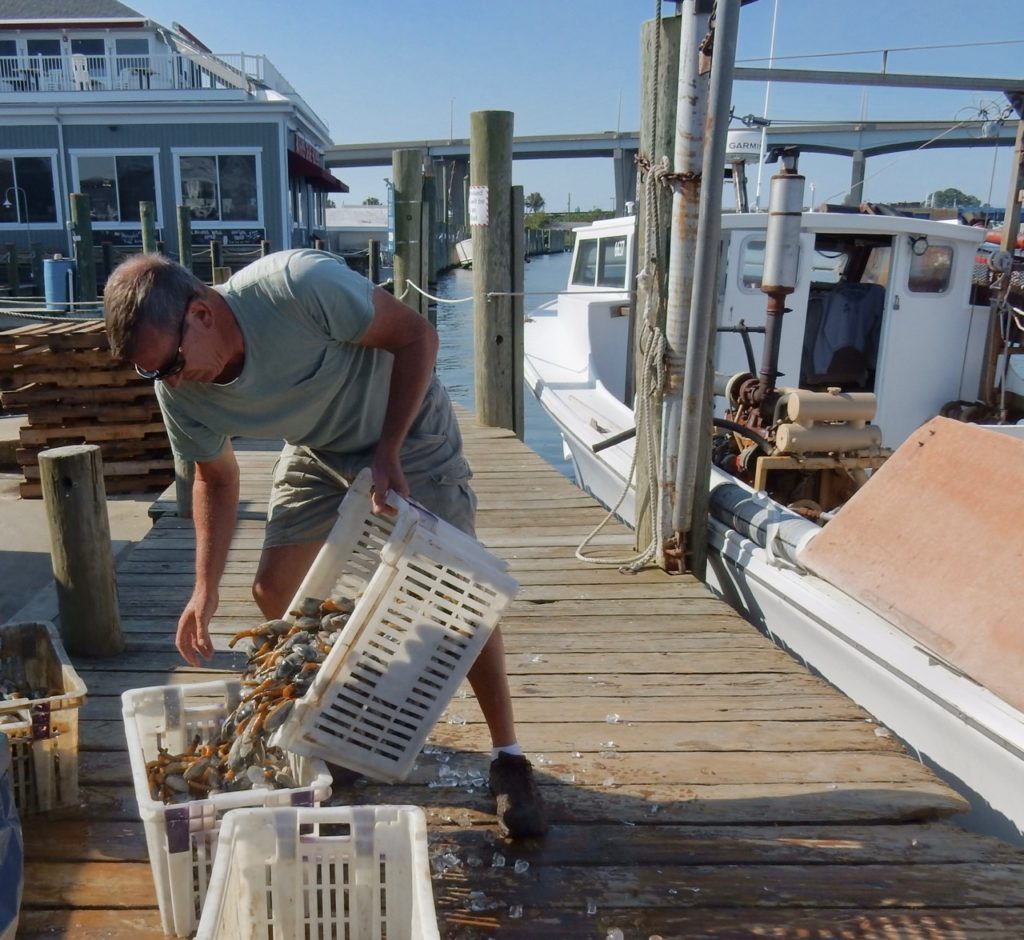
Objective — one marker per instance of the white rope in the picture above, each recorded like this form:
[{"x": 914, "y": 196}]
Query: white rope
[
  {"x": 440, "y": 300},
  {"x": 646, "y": 402}
]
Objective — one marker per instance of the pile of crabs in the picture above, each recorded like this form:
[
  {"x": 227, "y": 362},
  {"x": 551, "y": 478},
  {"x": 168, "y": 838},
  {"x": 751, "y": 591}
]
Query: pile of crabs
[{"x": 283, "y": 659}]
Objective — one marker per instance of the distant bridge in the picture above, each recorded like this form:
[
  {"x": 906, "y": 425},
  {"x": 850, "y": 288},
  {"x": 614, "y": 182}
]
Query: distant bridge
[{"x": 857, "y": 140}]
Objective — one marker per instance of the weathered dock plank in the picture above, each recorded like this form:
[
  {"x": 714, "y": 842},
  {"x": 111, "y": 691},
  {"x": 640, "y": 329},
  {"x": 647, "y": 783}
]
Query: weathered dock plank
[{"x": 701, "y": 783}]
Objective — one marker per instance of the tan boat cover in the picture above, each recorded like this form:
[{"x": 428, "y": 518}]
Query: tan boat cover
[{"x": 935, "y": 544}]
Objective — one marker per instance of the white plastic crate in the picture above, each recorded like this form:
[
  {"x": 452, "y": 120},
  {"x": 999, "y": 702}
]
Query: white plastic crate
[
  {"x": 353, "y": 872},
  {"x": 182, "y": 838},
  {"x": 427, "y": 599},
  {"x": 43, "y": 731}
]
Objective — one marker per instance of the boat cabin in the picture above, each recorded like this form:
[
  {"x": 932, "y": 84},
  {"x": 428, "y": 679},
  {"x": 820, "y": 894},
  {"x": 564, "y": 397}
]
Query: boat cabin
[{"x": 881, "y": 304}]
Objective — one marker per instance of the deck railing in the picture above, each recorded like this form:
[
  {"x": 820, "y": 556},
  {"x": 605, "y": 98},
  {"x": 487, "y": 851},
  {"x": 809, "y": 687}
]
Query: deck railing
[{"x": 115, "y": 72}]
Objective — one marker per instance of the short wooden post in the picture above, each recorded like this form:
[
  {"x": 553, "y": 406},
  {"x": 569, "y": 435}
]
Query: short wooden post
[
  {"x": 221, "y": 274},
  {"x": 81, "y": 551},
  {"x": 184, "y": 477},
  {"x": 264, "y": 248},
  {"x": 216, "y": 256},
  {"x": 147, "y": 217},
  {"x": 407, "y": 172},
  {"x": 37, "y": 270},
  {"x": 373, "y": 261},
  {"x": 318, "y": 244},
  {"x": 185, "y": 237},
  {"x": 81, "y": 236},
  {"x": 490, "y": 209},
  {"x": 13, "y": 278}
]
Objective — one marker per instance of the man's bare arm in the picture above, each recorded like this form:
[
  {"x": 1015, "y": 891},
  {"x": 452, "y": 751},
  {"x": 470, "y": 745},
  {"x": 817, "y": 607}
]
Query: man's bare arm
[
  {"x": 214, "y": 511},
  {"x": 413, "y": 342}
]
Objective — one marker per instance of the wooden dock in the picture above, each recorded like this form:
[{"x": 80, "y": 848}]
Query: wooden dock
[{"x": 701, "y": 782}]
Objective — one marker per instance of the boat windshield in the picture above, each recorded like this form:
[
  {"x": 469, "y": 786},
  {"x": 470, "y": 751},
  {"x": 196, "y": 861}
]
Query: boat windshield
[{"x": 601, "y": 262}]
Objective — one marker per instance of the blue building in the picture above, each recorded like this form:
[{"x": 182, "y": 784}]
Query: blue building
[{"x": 97, "y": 99}]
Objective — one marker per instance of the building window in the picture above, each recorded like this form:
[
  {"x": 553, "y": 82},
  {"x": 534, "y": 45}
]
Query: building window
[
  {"x": 26, "y": 185},
  {"x": 9, "y": 65},
  {"x": 116, "y": 184},
  {"x": 220, "y": 187}
]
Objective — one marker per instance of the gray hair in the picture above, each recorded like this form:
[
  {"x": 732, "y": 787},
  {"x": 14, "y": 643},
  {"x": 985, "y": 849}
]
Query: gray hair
[{"x": 146, "y": 290}]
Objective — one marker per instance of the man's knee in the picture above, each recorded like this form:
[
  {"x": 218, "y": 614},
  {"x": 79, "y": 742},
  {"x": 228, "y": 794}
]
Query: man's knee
[{"x": 280, "y": 573}]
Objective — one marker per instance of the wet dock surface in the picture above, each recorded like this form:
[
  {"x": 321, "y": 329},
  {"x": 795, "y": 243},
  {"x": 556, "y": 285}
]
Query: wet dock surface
[{"x": 701, "y": 783}]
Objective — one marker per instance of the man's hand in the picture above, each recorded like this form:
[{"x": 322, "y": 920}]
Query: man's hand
[
  {"x": 193, "y": 637},
  {"x": 387, "y": 476}
]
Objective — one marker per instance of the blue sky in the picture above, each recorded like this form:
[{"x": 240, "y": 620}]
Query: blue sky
[{"x": 410, "y": 70}]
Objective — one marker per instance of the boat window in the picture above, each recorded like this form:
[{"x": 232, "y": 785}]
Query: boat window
[
  {"x": 585, "y": 272},
  {"x": 930, "y": 271},
  {"x": 752, "y": 263},
  {"x": 612, "y": 271}
]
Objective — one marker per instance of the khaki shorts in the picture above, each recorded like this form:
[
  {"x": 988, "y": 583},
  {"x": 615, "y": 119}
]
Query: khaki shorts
[{"x": 309, "y": 485}]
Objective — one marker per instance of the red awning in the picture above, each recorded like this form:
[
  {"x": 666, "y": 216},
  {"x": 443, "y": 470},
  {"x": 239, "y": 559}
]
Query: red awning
[{"x": 318, "y": 177}]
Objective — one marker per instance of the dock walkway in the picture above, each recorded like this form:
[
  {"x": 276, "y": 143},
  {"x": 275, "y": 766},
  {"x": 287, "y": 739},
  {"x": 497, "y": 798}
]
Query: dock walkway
[{"x": 701, "y": 782}]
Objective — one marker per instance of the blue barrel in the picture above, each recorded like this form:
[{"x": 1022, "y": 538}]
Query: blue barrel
[{"x": 56, "y": 289}]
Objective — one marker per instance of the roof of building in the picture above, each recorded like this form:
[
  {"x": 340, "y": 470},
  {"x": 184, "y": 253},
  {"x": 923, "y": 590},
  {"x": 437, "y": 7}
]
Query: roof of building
[
  {"x": 66, "y": 10},
  {"x": 357, "y": 217}
]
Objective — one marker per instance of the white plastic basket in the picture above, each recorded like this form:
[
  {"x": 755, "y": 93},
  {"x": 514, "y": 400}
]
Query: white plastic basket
[
  {"x": 428, "y": 598},
  {"x": 43, "y": 732},
  {"x": 182, "y": 838},
  {"x": 358, "y": 872}
]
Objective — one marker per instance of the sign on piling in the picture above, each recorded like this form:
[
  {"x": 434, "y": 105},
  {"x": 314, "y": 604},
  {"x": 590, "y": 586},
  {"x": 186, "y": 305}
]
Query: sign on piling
[
  {"x": 82, "y": 556},
  {"x": 490, "y": 219}
]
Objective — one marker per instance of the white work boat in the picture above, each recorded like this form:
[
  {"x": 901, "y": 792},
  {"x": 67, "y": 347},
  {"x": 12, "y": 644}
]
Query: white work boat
[{"x": 910, "y": 599}]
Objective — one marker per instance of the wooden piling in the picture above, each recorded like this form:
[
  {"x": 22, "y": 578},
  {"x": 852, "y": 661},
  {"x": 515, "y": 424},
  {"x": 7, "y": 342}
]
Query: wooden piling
[
  {"x": 407, "y": 172},
  {"x": 373, "y": 261},
  {"x": 517, "y": 240},
  {"x": 216, "y": 257},
  {"x": 107, "y": 259},
  {"x": 264, "y": 248},
  {"x": 147, "y": 219},
  {"x": 658, "y": 90},
  {"x": 81, "y": 552},
  {"x": 184, "y": 477},
  {"x": 490, "y": 210},
  {"x": 81, "y": 235},
  {"x": 184, "y": 236},
  {"x": 13, "y": 277}
]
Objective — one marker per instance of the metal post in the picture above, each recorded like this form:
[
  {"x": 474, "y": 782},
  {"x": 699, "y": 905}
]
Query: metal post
[
  {"x": 691, "y": 111},
  {"x": 689, "y": 517}
]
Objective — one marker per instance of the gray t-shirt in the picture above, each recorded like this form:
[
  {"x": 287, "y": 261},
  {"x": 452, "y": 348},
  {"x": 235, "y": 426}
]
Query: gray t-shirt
[{"x": 303, "y": 381}]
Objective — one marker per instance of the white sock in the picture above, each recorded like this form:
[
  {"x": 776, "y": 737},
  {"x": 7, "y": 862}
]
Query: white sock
[{"x": 514, "y": 749}]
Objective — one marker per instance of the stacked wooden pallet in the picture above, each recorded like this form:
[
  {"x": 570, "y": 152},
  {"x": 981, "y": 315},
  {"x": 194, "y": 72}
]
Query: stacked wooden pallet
[{"x": 61, "y": 376}]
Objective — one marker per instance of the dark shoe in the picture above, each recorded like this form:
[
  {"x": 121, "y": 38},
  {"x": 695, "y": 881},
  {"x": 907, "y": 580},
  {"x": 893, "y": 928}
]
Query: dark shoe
[{"x": 520, "y": 808}]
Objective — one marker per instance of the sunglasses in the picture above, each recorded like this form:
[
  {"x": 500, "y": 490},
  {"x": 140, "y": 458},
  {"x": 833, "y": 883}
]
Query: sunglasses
[{"x": 176, "y": 365}]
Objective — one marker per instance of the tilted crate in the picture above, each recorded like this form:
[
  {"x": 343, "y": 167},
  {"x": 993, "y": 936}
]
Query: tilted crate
[
  {"x": 182, "y": 838},
  {"x": 43, "y": 731},
  {"x": 428, "y": 597},
  {"x": 359, "y": 872}
]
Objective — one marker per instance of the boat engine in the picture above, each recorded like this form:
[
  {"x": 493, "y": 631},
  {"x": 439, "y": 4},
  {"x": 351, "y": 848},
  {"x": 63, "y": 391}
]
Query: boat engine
[{"x": 807, "y": 450}]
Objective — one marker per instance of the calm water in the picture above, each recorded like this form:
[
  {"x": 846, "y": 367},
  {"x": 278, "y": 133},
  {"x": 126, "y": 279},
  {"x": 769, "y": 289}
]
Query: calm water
[{"x": 545, "y": 276}]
